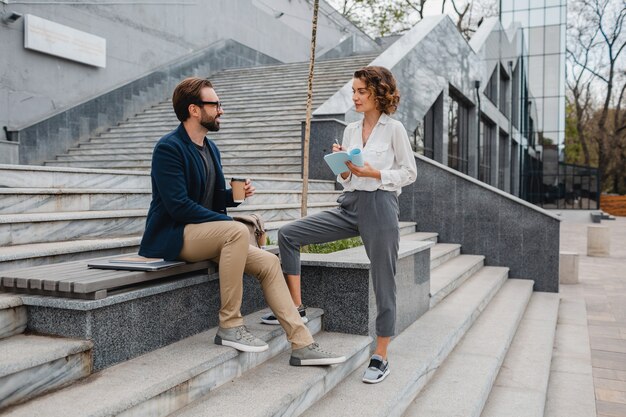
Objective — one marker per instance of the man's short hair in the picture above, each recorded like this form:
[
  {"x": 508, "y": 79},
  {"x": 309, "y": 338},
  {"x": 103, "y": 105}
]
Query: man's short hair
[{"x": 188, "y": 92}]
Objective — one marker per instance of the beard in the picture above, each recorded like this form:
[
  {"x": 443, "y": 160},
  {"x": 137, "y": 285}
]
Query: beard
[{"x": 210, "y": 124}]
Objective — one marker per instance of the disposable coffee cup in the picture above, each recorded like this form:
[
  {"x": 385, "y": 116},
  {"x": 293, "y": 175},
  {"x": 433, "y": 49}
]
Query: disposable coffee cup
[{"x": 239, "y": 194}]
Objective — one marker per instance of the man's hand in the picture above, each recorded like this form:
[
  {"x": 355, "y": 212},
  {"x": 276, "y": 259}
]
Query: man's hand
[
  {"x": 249, "y": 188},
  {"x": 365, "y": 171}
]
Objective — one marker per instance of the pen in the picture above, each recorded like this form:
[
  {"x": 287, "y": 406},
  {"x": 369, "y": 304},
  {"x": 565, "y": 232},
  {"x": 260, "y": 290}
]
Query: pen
[{"x": 337, "y": 142}]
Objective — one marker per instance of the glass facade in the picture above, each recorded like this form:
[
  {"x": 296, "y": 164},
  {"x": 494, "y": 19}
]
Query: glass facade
[
  {"x": 458, "y": 133},
  {"x": 544, "y": 25},
  {"x": 485, "y": 145}
]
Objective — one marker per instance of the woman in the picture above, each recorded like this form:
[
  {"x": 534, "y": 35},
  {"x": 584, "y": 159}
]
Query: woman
[{"x": 369, "y": 204}]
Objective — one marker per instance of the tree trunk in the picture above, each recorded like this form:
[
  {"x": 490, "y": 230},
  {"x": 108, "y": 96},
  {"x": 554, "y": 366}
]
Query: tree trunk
[{"x": 309, "y": 109}]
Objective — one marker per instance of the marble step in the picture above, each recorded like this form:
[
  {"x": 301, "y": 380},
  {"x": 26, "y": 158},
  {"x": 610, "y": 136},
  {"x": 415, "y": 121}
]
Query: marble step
[
  {"x": 256, "y": 158},
  {"x": 21, "y": 229},
  {"x": 225, "y": 127},
  {"x": 442, "y": 252},
  {"x": 571, "y": 390},
  {"x": 171, "y": 123},
  {"x": 221, "y": 137},
  {"x": 33, "y": 365},
  {"x": 426, "y": 236},
  {"x": 137, "y": 154},
  {"x": 283, "y": 212},
  {"x": 45, "y": 200},
  {"x": 135, "y": 165},
  {"x": 288, "y": 151},
  {"x": 462, "y": 383},
  {"x": 521, "y": 386},
  {"x": 13, "y": 315},
  {"x": 449, "y": 275},
  {"x": 35, "y": 254},
  {"x": 277, "y": 389},
  {"x": 290, "y": 197},
  {"x": 27, "y": 176},
  {"x": 162, "y": 381},
  {"x": 415, "y": 354}
]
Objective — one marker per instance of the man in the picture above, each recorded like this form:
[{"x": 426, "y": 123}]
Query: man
[{"x": 187, "y": 220}]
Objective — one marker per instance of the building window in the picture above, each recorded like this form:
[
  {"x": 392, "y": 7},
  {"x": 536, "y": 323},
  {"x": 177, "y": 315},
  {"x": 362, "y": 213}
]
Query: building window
[
  {"x": 502, "y": 151},
  {"x": 515, "y": 99},
  {"x": 424, "y": 134},
  {"x": 491, "y": 90},
  {"x": 485, "y": 145},
  {"x": 504, "y": 88},
  {"x": 458, "y": 132}
]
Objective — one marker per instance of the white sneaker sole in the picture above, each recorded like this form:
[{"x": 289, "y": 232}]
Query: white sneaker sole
[
  {"x": 243, "y": 348},
  {"x": 317, "y": 362},
  {"x": 305, "y": 320}
]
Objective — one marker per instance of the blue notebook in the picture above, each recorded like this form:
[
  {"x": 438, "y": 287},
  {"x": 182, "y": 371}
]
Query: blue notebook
[{"x": 337, "y": 160}]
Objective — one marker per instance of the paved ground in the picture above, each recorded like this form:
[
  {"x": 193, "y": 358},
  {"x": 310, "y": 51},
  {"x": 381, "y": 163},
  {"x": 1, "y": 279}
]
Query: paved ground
[{"x": 603, "y": 286}]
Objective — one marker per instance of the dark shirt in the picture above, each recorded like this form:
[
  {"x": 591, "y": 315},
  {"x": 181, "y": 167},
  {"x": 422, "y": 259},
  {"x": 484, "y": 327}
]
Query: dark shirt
[
  {"x": 179, "y": 181},
  {"x": 207, "y": 159}
]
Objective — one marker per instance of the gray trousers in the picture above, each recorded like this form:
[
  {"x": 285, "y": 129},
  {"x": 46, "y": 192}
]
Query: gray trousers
[{"x": 374, "y": 216}]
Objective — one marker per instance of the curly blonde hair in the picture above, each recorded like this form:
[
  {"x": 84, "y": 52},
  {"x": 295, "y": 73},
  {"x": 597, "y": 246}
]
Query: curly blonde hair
[{"x": 382, "y": 84}]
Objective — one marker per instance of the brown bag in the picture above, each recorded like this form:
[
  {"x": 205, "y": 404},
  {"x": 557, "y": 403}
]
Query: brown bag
[{"x": 256, "y": 226}]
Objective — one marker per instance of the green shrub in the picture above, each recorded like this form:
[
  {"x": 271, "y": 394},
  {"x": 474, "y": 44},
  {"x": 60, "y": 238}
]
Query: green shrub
[{"x": 332, "y": 246}]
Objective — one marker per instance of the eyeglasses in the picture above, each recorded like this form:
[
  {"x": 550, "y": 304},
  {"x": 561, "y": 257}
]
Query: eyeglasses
[{"x": 217, "y": 104}]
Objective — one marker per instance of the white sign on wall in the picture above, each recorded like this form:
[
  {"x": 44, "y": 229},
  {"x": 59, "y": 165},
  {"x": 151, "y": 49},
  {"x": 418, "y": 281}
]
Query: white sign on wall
[{"x": 55, "y": 39}]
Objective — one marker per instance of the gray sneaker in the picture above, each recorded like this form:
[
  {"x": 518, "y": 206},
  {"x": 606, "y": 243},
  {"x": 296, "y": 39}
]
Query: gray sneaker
[
  {"x": 240, "y": 338},
  {"x": 314, "y": 355},
  {"x": 377, "y": 370}
]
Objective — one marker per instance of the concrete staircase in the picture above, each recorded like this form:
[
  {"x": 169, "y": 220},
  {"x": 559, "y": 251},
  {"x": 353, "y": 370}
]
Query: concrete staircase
[
  {"x": 93, "y": 200},
  {"x": 264, "y": 108},
  {"x": 485, "y": 348}
]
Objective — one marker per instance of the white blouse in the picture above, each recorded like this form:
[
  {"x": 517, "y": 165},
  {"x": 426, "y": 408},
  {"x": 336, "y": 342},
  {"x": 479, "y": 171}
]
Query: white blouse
[{"x": 387, "y": 149}]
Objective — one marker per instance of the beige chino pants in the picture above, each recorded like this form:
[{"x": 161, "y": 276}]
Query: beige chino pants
[{"x": 227, "y": 244}]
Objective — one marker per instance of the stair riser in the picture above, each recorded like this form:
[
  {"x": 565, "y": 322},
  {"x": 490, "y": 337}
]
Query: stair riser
[
  {"x": 275, "y": 215},
  {"x": 277, "y": 161},
  {"x": 20, "y": 386},
  {"x": 275, "y": 150},
  {"x": 115, "y": 142},
  {"x": 434, "y": 263},
  {"x": 225, "y": 127},
  {"x": 143, "y": 165},
  {"x": 12, "y": 321},
  {"x": 456, "y": 283},
  {"x": 188, "y": 391},
  {"x": 138, "y": 154},
  {"x": 165, "y": 123},
  {"x": 36, "y": 259},
  {"x": 44, "y": 203},
  {"x": 60, "y": 179},
  {"x": 291, "y": 198},
  {"x": 58, "y": 231}
]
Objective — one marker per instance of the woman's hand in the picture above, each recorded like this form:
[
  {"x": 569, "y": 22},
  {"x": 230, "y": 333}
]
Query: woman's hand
[
  {"x": 249, "y": 188},
  {"x": 337, "y": 148},
  {"x": 365, "y": 171}
]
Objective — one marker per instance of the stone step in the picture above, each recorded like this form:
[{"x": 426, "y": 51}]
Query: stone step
[
  {"x": 461, "y": 385},
  {"x": 277, "y": 389},
  {"x": 522, "y": 382},
  {"x": 415, "y": 353},
  {"x": 283, "y": 212},
  {"x": 429, "y": 236},
  {"x": 35, "y": 254},
  {"x": 164, "y": 380},
  {"x": 571, "y": 385},
  {"x": 22, "y": 229},
  {"x": 12, "y": 315},
  {"x": 258, "y": 159},
  {"x": 220, "y": 138},
  {"x": 443, "y": 252},
  {"x": 44, "y": 200},
  {"x": 290, "y": 197},
  {"x": 33, "y": 365},
  {"x": 137, "y": 154},
  {"x": 135, "y": 165},
  {"x": 29, "y": 176},
  {"x": 449, "y": 275}
]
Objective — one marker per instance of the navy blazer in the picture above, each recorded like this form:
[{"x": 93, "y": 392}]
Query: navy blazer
[{"x": 178, "y": 181}]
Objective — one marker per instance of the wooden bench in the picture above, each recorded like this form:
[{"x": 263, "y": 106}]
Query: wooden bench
[{"x": 76, "y": 280}]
